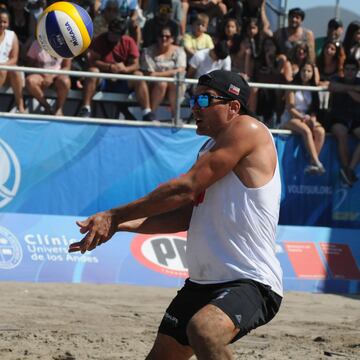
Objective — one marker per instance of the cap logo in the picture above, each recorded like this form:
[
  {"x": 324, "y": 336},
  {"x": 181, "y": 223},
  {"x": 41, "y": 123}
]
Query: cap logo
[{"x": 234, "y": 89}]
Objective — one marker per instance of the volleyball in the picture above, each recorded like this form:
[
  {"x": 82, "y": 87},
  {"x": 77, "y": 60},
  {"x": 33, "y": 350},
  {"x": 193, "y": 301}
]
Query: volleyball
[{"x": 64, "y": 30}]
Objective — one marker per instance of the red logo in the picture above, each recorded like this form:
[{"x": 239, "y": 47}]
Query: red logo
[{"x": 164, "y": 253}]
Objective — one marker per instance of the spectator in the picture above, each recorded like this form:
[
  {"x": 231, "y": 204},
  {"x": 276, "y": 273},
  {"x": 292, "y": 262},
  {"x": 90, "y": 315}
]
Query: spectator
[
  {"x": 334, "y": 32},
  {"x": 230, "y": 30},
  {"x": 273, "y": 68},
  {"x": 300, "y": 117},
  {"x": 162, "y": 18},
  {"x": 198, "y": 39},
  {"x": 36, "y": 7},
  {"x": 163, "y": 59},
  {"x": 152, "y": 7},
  {"x": 128, "y": 9},
  {"x": 117, "y": 53},
  {"x": 102, "y": 20},
  {"x": 214, "y": 9},
  {"x": 207, "y": 60},
  {"x": 37, "y": 83},
  {"x": 243, "y": 10},
  {"x": 23, "y": 24},
  {"x": 330, "y": 62},
  {"x": 288, "y": 37},
  {"x": 300, "y": 55},
  {"x": 9, "y": 54},
  {"x": 345, "y": 117},
  {"x": 244, "y": 59},
  {"x": 352, "y": 40}
]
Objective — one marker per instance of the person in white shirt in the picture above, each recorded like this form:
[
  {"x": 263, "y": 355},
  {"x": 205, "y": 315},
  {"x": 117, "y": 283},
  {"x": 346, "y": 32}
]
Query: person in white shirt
[
  {"x": 9, "y": 55},
  {"x": 206, "y": 60},
  {"x": 229, "y": 202}
]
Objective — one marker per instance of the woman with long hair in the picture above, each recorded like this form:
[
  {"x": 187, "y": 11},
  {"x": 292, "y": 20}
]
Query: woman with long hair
[
  {"x": 352, "y": 40},
  {"x": 300, "y": 117}
]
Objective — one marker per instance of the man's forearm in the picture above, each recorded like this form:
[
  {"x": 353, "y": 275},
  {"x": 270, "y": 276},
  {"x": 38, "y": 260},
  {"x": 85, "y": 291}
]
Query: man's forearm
[
  {"x": 167, "y": 197},
  {"x": 170, "y": 222}
]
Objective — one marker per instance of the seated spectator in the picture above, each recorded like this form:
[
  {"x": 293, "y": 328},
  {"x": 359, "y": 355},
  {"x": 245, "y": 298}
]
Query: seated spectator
[
  {"x": 330, "y": 62},
  {"x": 273, "y": 68},
  {"x": 352, "y": 40},
  {"x": 288, "y": 37},
  {"x": 152, "y": 7},
  {"x": 334, "y": 32},
  {"x": 37, "y": 83},
  {"x": 36, "y": 7},
  {"x": 230, "y": 31},
  {"x": 214, "y": 9},
  {"x": 163, "y": 59},
  {"x": 9, "y": 54},
  {"x": 345, "y": 117},
  {"x": 300, "y": 117},
  {"x": 198, "y": 39},
  {"x": 117, "y": 53},
  {"x": 299, "y": 56},
  {"x": 23, "y": 24},
  {"x": 207, "y": 60},
  {"x": 163, "y": 17},
  {"x": 103, "y": 18},
  {"x": 128, "y": 9}
]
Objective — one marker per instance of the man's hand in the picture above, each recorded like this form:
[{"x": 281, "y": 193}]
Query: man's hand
[{"x": 98, "y": 228}]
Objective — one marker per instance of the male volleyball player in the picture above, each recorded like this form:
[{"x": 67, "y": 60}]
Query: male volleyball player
[{"x": 229, "y": 203}]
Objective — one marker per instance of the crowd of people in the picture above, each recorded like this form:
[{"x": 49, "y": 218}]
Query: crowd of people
[{"x": 192, "y": 37}]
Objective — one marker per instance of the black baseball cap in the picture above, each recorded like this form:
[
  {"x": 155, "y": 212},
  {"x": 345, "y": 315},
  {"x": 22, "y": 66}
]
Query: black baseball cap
[{"x": 229, "y": 84}]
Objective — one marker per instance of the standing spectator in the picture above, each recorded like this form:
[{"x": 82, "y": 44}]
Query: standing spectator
[
  {"x": 334, "y": 32},
  {"x": 163, "y": 17},
  {"x": 288, "y": 37},
  {"x": 128, "y": 9},
  {"x": 352, "y": 40},
  {"x": 117, "y": 53},
  {"x": 207, "y": 60},
  {"x": 37, "y": 83},
  {"x": 273, "y": 68},
  {"x": 9, "y": 54},
  {"x": 23, "y": 24},
  {"x": 163, "y": 59},
  {"x": 300, "y": 117},
  {"x": 198, "y": 39},
  {"x": 345, "y": 117},
  {"x": 103, "y": 18}
]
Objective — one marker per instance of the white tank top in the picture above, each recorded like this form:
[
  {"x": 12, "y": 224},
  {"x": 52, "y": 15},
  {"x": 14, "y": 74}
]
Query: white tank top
[
  {"x": 232, "y": 232},
  {"x": 6, "y": 45}
]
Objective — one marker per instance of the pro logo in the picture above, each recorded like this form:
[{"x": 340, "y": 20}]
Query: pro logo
[
  {"x": 10, "y": 250},
  {"x": 164, "y": 253},
  {"x": 9, "y": 175}
]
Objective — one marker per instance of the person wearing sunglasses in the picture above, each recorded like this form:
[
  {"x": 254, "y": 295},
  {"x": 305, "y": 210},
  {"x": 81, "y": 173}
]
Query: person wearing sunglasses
[{"x": 229, "y": 204}]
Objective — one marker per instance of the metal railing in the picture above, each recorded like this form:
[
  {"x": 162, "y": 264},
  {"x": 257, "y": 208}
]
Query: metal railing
[{"x": 178, "y": 79}]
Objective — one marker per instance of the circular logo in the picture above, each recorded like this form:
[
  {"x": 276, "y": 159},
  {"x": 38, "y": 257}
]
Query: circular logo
[
  {"x": 10, "y": 250},
  {"x": 9, "y": 174},
  {"x": 164, "y": 253}
]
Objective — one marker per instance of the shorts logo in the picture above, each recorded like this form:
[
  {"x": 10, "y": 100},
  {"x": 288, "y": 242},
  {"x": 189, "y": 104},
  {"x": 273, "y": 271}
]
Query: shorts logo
[
  {"x": 10, "y": 250},
  {"x": 164, "y": 253},
  {"x": 9, "y": 175}
]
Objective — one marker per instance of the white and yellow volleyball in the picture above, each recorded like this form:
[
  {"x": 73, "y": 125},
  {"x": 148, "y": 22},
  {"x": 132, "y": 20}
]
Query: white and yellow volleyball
[{"x": 64, "y": 30}]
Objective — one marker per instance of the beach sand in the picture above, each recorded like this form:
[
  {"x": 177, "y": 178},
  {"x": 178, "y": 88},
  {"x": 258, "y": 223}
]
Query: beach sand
[{"x": 105, "y": 322}]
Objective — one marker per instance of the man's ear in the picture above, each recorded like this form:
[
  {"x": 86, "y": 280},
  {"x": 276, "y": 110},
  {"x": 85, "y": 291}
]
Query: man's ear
[{"x": 235, "y": 106}]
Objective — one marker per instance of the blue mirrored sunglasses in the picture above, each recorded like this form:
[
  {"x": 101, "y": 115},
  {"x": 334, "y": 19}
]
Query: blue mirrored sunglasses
[{"x": 205, "y": 100}]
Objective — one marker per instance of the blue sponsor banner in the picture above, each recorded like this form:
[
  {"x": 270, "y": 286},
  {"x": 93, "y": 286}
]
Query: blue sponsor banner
[
  {"x": 51, "y": 173},
  {"x": 34, "y": 248}
]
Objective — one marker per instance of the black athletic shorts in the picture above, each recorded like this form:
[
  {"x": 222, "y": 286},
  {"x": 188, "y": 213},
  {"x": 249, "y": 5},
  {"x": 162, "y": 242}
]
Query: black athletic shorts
[{"x": 248, "y": 303}]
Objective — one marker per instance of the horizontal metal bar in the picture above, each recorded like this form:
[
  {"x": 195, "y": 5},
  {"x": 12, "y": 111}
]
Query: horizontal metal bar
[{"x": 173, "y": 79}]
